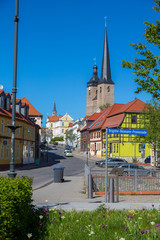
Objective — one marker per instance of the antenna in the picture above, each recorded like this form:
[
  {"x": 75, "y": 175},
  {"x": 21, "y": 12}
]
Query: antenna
[{"x": 1, "y": 87}]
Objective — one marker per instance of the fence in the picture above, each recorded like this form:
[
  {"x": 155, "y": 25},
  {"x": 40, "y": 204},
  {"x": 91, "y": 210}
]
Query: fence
[{"x": 129, "y": 184}]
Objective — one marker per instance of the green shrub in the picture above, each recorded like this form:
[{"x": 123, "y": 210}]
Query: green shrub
[{"x": 18, "y": 217}]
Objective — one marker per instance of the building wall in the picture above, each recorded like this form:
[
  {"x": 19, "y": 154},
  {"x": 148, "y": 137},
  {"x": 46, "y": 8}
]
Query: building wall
[
  {"x": 91, "y": 105},
  {"x": 105, "y": 94},
  {"x": 127, "y": 146},
  {"x": 24, "y": 136}
]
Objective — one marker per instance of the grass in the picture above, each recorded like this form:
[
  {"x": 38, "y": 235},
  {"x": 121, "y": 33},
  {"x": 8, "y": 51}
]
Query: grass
[{"x": 100, "y": 224}]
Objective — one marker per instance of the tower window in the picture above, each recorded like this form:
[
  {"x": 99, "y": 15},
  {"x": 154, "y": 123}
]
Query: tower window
[
  {"x": 100, "y": 89},
  {"x": 96, "y": 92},
  {"x": 108, "y": 88},
  {"x": 89, "y": 92}
]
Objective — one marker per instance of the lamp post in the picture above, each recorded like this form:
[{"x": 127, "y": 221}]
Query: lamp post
[{"x": 12, "y": 173}]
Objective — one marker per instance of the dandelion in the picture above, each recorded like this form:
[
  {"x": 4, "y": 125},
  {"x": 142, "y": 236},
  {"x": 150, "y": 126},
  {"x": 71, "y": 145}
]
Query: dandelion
[
  {"x": 136, "y": 206},
  {"x": 152, "y": 223},
  {"x": 40, "y": 216},
  {"x": 29, "y": 235}
]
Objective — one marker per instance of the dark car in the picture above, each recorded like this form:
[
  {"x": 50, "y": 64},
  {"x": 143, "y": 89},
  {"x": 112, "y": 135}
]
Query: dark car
[
  {"x": 112, "y": 162},
  {"x": 147, "y": 159},
  {"x": 133, "y": 169},
  {"x": 100, "y": 161}
]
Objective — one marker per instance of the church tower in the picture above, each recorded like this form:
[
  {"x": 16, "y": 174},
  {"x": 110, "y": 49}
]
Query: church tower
[
  {"x": 100, "y": 91},
  {"x": 54, "y": 112}
]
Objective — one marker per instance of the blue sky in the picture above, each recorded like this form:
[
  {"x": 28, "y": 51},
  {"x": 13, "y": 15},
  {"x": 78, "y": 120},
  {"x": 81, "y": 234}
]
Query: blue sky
[{"x": 57, "y": 41}]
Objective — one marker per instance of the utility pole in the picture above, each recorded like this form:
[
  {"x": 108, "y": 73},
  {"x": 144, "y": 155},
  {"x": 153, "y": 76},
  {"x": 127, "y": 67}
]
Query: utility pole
[{"x": 12, "y": 173}]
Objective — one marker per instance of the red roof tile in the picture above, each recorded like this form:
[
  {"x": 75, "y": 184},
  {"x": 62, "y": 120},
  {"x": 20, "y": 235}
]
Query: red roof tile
[
  {"x": 32, "y": 110},
  {"x": 54, "y": 118},
  {"x": 71, "y": 124},
  {"x": 114, "y": 121}
]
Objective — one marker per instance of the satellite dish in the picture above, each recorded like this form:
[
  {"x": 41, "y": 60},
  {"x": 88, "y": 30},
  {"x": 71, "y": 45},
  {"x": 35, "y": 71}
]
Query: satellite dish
[{"x": 1, "y": 87}]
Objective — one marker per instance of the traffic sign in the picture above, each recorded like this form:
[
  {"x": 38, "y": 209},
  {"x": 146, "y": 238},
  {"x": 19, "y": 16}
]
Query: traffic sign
[{"x": 127, "y": 131}]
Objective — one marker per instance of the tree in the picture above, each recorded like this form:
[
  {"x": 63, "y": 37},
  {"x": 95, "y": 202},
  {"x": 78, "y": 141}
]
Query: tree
[
  {"x": 147, "y": 66},
  {"x": 150, "y": 121},
  {"x": 104, "y": 106},
  {"x": 70, "y": 135}
]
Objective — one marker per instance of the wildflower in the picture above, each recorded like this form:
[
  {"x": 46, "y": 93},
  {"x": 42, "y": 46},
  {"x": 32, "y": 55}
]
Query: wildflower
[
  {"x": 40, "y": 216},
  {"x": 54, "y": 219},
  {"x": 122, "y": 239},
  {"x": 41, "y": 223},
  {"x": 147, "y": 231},
  {"x": 29, "y": 235},
  {"x": 103, "y": 216},
  {"x": 125, "y": 228},
  {"x": 152, "y": 205},
  {"x": 90, "y": 219},
  {"x": 63, "y": 217},
  {"x": 139, "y": 217},
  {"x": 136, "y": 206},
  {"x": 91, "y": 233},
  {"x": 46, "y": 201},
  {"x": 47, "y": 213},
  {"x": 103, "y": 225},
  {"x": 77, "y": 220},
  {"x": 131, "y": 211},
  {"x": 59, "y": 213},
  {"x": 152, "y": 223},
  {"x": 81, "y": 227},
  {"x": 142, "y": 232},
  {"x": 131, "y": 216},
  {"x": 157, "y": 225},
  {"x": 45, "y": 210},
  {"x": 143, "y": 209}
]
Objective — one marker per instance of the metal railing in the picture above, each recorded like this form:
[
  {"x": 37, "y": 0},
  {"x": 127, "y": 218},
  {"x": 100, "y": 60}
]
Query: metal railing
[{"x": 134, "y": 183}]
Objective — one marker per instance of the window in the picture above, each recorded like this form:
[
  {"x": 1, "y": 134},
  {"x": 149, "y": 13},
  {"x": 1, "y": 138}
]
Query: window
[
  {"x": 2, "y": 126},
  {"x": 108, "y": 88},
  {"x": 62, "y": 123},
  {"x": 2, "y": 152},
  {"x": 62, "y": 130},
  {"x": 18, "y": 131},
  {"x": 18, "y": 151},
  {"x": 8, "y": 130},
  {"x": 89, "y": 92},
  {"x": 51, "y": 124},
  {"x": 2, "y": 102},
  {"x": 100, "y": 89},
  {"x": 133, "y": 119},
  {"x": 7, "y": 153},
  {"x": 8, "y": 104}
]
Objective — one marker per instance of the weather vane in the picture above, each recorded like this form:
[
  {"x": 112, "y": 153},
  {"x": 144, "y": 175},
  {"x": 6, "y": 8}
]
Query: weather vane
[
  {"x": 94, "y": 59},
  {"x": 105, "y": 19}
]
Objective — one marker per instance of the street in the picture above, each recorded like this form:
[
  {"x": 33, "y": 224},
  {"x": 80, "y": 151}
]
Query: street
[{"x": 43, "y": 174}]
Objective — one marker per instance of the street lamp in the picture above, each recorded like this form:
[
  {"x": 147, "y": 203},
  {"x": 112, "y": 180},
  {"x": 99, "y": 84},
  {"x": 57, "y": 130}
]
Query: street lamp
[{"x": 12, "y": 173}]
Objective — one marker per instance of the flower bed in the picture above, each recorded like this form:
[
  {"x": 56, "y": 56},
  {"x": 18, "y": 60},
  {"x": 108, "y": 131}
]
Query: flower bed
[{"x": 100, "y": 224}]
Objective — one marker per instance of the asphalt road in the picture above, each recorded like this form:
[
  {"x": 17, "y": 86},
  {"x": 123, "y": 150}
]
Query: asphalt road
[{"x": 43, "y": 175}]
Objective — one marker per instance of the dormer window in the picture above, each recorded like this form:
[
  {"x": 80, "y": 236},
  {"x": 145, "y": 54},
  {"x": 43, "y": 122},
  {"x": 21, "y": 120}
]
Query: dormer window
[
  {"x": 8, "y": 104},
  {"x": 2, "y": 102}
]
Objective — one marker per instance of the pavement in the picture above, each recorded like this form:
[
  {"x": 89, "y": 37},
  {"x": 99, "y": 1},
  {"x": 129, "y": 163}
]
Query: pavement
[{"x": 71, "y": 194}]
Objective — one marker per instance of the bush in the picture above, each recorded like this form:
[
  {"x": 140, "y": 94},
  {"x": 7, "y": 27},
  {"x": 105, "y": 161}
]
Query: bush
[{"x": 18, "y": 217}]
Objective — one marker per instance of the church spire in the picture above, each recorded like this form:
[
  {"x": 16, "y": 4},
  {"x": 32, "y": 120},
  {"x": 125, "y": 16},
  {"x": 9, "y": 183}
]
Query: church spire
[
  {"x": 54, "y": 113},
  {"x": 106, "y": 71}
]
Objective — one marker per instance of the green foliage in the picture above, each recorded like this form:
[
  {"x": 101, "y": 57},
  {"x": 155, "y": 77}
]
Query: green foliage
[
  {"x": 104, "y": 106},
  {"x": 57, "y": 139},
  {"x": 103, "y": 224},
  {"x": 70, "y": 135},
  {"x": 17, "y": 214},
  {"x": 147, "y": 66}
]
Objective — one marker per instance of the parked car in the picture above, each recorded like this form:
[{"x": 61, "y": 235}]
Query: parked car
[
  {"x": 67, "y": 148},
  {"x": 112, "y": 162},
  {"x": 68, "y": 153},
  {"x": 98, "y": 162},
  {"x": 130, "y": 170},
  {"x": 147, "y": 159},
  {"x": 54, "y": 147}
]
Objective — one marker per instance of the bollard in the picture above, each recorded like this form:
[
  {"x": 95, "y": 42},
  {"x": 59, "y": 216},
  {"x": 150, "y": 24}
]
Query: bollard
[
  {"x": 111, "y": 190},
  {"x": 90, "y": 188}
]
